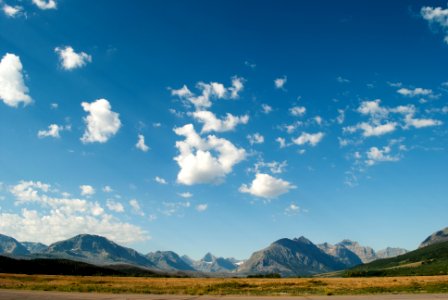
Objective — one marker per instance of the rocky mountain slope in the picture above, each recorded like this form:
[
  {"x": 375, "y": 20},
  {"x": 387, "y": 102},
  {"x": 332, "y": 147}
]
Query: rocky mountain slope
[
  {"x": 436, "y": 237},
  {"x": 168, "y": 260},
  {"x": 10, "y": 246},
  {"x": 291, "y": 258}
]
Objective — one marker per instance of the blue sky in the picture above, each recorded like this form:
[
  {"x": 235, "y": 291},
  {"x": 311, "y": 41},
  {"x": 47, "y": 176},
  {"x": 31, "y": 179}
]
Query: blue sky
[{"x": 194, "y": 126}]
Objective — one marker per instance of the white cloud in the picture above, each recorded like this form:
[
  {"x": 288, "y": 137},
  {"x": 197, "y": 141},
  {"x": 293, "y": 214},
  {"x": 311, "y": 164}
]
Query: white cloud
[
  {"x": 436, "y": 16},
  {"x": 185, "y": 195},
  {"x": 375, "y": 155},
  {"x": 61, "y": 218},
  {"x": 201, "y": 207},
  {"x": 13, "y": 90},
  {"x": 280, "y": 82},
  {"x": 212, "y": 123},
  {"x": 318, "y": 120},
  {"x": 196, "y": 160},
  {"x": 87, "y": 190},
  {"x": 297, "y": 111},
  {"x": 266, "y": 109},
  {"x": 281, "y": 141},
  {"x": 292, "y": 210},
  {"x": 309, "y": 138},
  {"x": 115, "y": 206},
  {"x": 274, "y": 166},
  {"x": 342, "y": 80},
  {"x": 417, "y": 92},
  {"x": 12, "y": 11},
  {"x": 266, "y": 186},
  {"x": 102, "y": 123},
  {"x": 372, "y": 108},
  {"x": 141, "y": 143},
  {"x": 107, "y": 189},
  {"x": 70, "y": 60},
  {"x": 341, "y": 116},
  {"x": 255, "y": 138},
  {"x": 372, "y": 130},
  {"x": 420, "y": 123},
  {"x": 173, "y": 208},
  {"x": 45, "y": 4},
  {"x": 210, "y": 91},
  {"x": 136, "y": 207},
  {"x": 160, "y": 180},
  {"x": 52, "y": 131}
]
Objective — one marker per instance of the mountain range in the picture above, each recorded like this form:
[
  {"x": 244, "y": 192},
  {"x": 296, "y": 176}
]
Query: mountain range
[{"x": 287, "y": 257}]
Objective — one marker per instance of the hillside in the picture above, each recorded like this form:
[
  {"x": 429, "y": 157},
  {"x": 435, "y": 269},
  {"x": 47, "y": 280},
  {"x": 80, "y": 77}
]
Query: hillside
[
  {"x": 430, "y": 260},
  {"x": 436, "y": 237}
]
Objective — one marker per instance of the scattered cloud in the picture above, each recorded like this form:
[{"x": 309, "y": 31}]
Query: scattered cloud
[
  {"x": 102, "y": 123},
  {"x": 141, "y": 144},
  {"x": 341, "y": 79},
  {"x": 292, "y": 210},
  {"x": 210, "y": 91},
  {"x": 375, "y": 155},
  {"x": 87, "y": 190},
  {"x": 318, "y": 120},
  {"x": 436, "y": 16},
  {"x": 275, "y": 167},
  {"x": 136, "y": 207},
  {"x": 107, "y": 189},
  {"x": 71, "y": 60},
  {"x": 13, "y": 90},
  {"x": 174, "y": 208},
  {"x": 309, "y": 138},
  {"x": 52, "y": 131},
  {"x": 160, "y": 180},
  {"x": 212, "y": 123},
  {"x": 45, "y": 4},
  {"x": 266, "y": 109},
  {"x": 196, "y": 160},
  {"x": 115, "y": 206},
  {"x": 12, "y": 11},
  {"x": 368, "y": 130},
  {"x": 280, "y": 82},
  {"x": 297, "y": 111},
  {"x": 416, "y": 92},
  {"x": 185, "y": 195},
  {"x": 201, "y": 207},
  {"x": 266, "y": 186},
  {"x": 341, "y": 116},
  {"x": 60, "y": 218},
  {"x": 255, "y": 138},
  {"x": 281, "y": 141}
]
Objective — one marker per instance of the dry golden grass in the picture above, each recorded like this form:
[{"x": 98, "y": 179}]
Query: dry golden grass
[{"x": 227, "y": 286}]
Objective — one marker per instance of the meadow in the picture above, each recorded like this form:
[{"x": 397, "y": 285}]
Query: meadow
[{"x": 227, "y": 286}]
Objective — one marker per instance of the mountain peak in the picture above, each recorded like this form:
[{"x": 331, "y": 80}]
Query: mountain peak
[
  {"x": 303, "y": 240},
  {"x": 208, "y": 257},
  {"x": 436, "y": 237}
]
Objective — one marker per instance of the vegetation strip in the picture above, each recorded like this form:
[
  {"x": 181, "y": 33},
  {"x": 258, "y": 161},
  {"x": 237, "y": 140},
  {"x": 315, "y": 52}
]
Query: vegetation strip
[{"x": 226, "y": 286}]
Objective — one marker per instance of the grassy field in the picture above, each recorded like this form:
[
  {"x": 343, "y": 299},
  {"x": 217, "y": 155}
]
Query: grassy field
[{"x": 227, "y": 286}]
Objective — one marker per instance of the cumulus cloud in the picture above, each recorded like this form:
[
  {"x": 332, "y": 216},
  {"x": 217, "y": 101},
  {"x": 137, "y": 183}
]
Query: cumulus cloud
[
  {"x": 369, "y": 130},
  {"x": 280, "y": 82},
  {"x": 436, "y": 16},
  {"x": 376, "y": 155},
  {"x": 209, "y": 92},
  {"x": 202, "y": 207},
  {"x": 266, "y": 186},
  {"x": 185, "y": 195},
  {"x": 60, "y": 218},
  {"x": 45, "y": 4},
  {"x": 420, "y": 123},
  {"x": 212, "y": 123},
  {"x": 115, "y": 206},
  {"x": 297, "y": 111},
  {"x": 309, "y": 138},
  {"x": 52, "y": 131},
  {"x": 87, "y": 190},
  {"x": 141, "y": 143},
  {"x": 266, "y": 109},
  {"x": 160, "y": 180},
  {"x": 70, "y": 60},
  {"x": 102, "y": 123},
  {"x": 13, "y": 90},
  {"x": 292, "y": 210},
  {"x": 204, "y": 160},
  {"x": 255, "y": 138},
  {"x": 281, "y": 141},
  {"x": 275, "y": 167},
  {"x": 417, "y": 92},
  {"x": 136, "y": 207},
  {"x": 12, "y": 11}
]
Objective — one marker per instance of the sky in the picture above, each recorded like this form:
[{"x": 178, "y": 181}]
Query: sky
[{"x": 198, "y": 126}]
